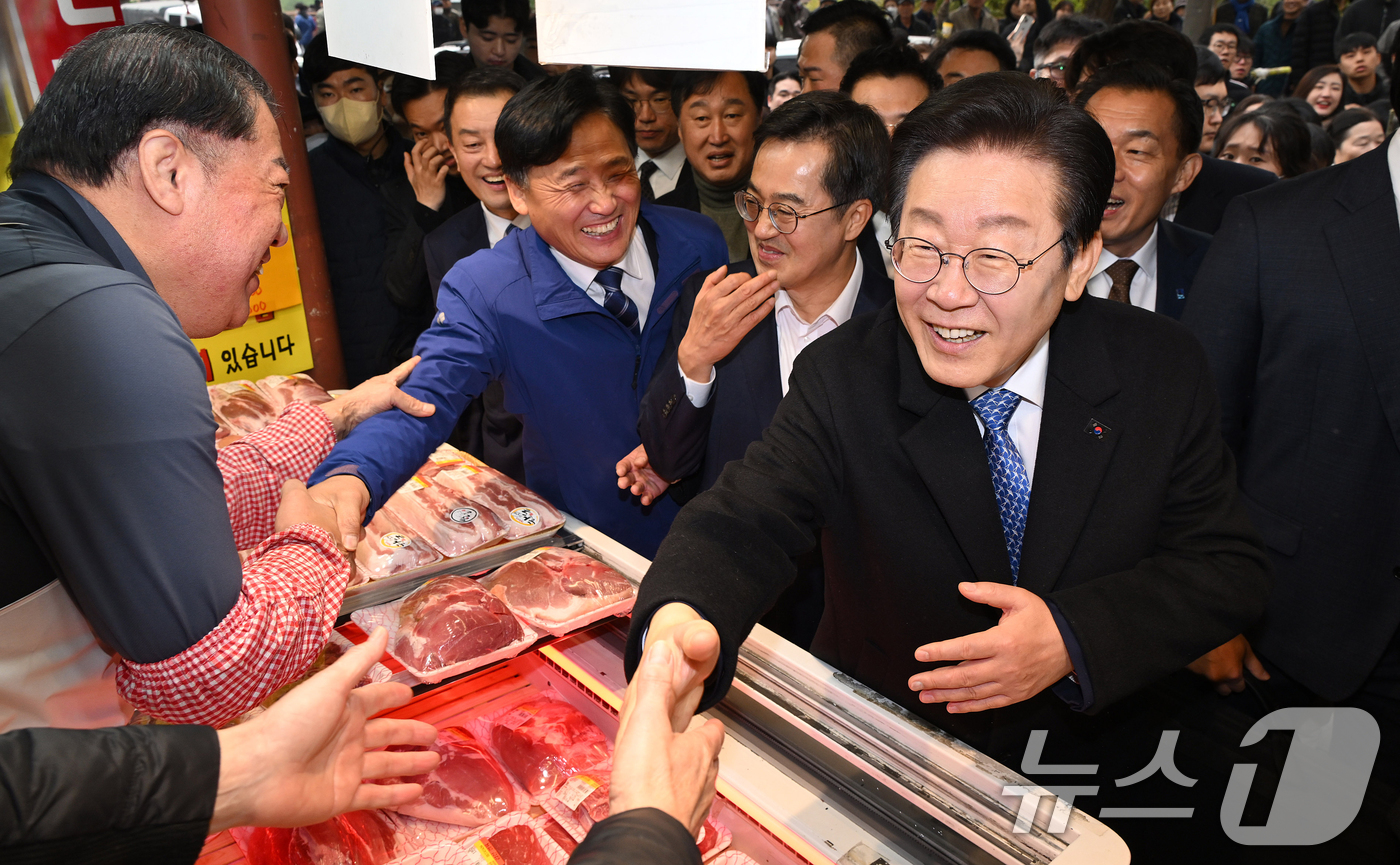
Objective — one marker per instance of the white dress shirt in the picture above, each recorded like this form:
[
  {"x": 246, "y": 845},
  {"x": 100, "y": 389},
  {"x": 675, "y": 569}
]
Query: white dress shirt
[
  {"x": 638, "y": 277},
  {"x": 1392, "y": 158},
  {"x": 1142, "y": 291},
  {"x": 794, "y": 334},
  {"x": 668, "y": 168},
  {"x": 884, "y": 230},
  {"x": 1027, "y": 382},
  {"x": 496, "y": 227}
]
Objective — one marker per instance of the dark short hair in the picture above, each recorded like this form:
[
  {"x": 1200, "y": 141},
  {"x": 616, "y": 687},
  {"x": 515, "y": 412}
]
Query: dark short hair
[
  {"x": 317, "y": 64},
  {"x": 537, "y": 124},
  {"x": 1283, "y": 131},
  {"x": 478, "y": 13},
  {"x": 1344, "y": 121},
  {"x": 974, "y": 40},
  {"x": 1323, "y": 148},
  {"x": 1009, "y": 111},
  {"x": 890, "y": 61},
  {"x": 1313, "y": 76},
  {"x": 1296, "y": 105},
  {"x": 656, "y": 79},
  {"x": 1189, "y": 117},
  {"x": 1138, "y": 40},
  {"x": 485, "y": 81},
  {"x": 689, "y": 83},
  {"x": 448, "y": 66},
  {"x": 1228, "y": 29},
  {"x": 1252, "y": 100},
  {"x": 1355, "y": 42},
  {"x": 855, "y": 25},
  {"x": 790, "y": 75},
  {"x": 1075, "y": 28},
  {"x": 858, "y": 148},
  {"x": 120, "y": 83},
  {"x": 1209, "y": 69},
  {"x": 1244, "y": 47}
]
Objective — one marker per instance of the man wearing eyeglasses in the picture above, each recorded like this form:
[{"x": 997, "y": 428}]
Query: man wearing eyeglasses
[
  {"x": 1056, "y": 43},
  {"x": 1020, "y": 494},
  {"x": 816, "y": 178},
  {"x": 660, "y": 155}
]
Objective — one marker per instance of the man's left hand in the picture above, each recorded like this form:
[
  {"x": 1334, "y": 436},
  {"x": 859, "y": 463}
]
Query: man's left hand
[
  {"x": 635, "y": 474},
  {"x": 426, "y": 167},
  {"x": 1020, "y": 657},
  {"x": 373, "y": 396}
]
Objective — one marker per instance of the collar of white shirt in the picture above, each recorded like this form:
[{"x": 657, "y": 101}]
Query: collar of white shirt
[
  {"x": 1028, "y": 381},
  {"x": 838, "y": 313},
  {"x": 496, "y": 226},
  {"x": 668, "y": 163},
  {"x": 1146, "y": 259},
  {"x": 1392, "y": 157},
  {"x": 639, "y": 278}
]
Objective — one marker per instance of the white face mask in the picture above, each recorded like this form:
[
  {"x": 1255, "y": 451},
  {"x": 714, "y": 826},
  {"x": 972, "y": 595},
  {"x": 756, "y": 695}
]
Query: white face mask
[{"x": 351, "y": 120}]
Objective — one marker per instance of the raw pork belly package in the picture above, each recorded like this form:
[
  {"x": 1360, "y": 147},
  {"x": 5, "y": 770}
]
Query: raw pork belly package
[
  {"x": 443, "y": 517},
  {"x": 356, "y": 838},
  {"x": 520, "y": 511},
  {"x": 557, "y": 590},
  {"x": 241, "y": 407},
  {"x": 516, "y": 839},
  {"x": 283, "y": 390},
  {"x": 542, "y": 741},
  {"x": 388, "y": 549},
  {"x": 468, "y": 788},
  {"x": 447, "y": 626}
]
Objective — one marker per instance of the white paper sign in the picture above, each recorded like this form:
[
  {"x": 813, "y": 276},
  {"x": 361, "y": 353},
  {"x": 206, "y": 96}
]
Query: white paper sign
[
  {"x": 387, "y": 34},
  {"x": 661, "y": 34}
]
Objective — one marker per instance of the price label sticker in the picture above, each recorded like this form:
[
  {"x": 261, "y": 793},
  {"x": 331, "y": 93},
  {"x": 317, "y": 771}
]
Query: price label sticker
[
  {"x": 514, "y": 718},
  {"x": 413, "y": 485},
  {"x": 576, "y": 790}
]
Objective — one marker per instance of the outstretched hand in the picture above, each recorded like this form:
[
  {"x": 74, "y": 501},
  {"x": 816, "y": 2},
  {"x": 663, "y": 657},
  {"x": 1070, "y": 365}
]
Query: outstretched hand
[
  {"x": 1015, "y": 660},
  {"x": 373, "y": 396},
  {"x": 635, "y": 474},
  {"x": 308, "y": 758},
  {"x": 1225, "y": 665}
]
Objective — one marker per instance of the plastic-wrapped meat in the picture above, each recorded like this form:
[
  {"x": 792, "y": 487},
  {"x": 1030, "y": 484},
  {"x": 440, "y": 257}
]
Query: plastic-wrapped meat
[
  {"x": 522, "y": 512},
  {"x": 450, "y": 620},
  {"x": 560, "y": 835},
  {"x": 443, "y": 517},
  {"x": 388, "y": 549},
  {"x": 356, "y": 838},
  {"x": 544, "y": 742},
  {"x": 467, "y": 788},
  {"x": 517, "y": 845},
  {"x": 558, "y": 585},
  {"x": 283, "y": 390},
  {"x": 241, "y": 406}
]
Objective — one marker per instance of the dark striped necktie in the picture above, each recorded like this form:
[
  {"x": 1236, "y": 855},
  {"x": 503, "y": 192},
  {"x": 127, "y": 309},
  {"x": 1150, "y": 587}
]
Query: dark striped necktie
[{"x": 615, "y": 302}]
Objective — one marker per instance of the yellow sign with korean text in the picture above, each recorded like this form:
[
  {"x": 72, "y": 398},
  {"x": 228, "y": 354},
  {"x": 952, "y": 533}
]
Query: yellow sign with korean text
[
  {"x": 279, "y": 287},
  {"x": 275, "y": 343}
]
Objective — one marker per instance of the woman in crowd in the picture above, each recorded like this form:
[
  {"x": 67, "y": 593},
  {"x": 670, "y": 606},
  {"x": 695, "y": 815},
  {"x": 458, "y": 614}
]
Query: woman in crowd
[
  {"x": 1162, "y": 12},
  {"x": 1322, "y": 88},
  {"x": 1276, "y": 141},
  {"x": 1355, "y": 131}
]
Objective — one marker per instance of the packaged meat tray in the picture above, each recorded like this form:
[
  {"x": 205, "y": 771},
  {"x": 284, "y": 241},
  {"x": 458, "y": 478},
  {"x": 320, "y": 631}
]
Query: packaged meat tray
[
  {"x": 468, "y": 788},
  {"x": 389, "y": 549},
  {"x": 543, "y": 741},
  {"x": 582, "y": 801},
  {"x": 241, "y": 406},
  {"x": 447, "y": 626},
  {"x": 356, "y": 838},
  {"x": 522, "y": 512},
  {"x": 557, "y": 590},
  {"x": 283, "y": 390},
  {"x": 443, "y": 517},
  {"x": 516, "y": 839}
]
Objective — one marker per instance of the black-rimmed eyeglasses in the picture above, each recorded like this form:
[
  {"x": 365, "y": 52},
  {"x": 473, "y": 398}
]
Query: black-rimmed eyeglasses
[
  {"x": 990, "y": 271},
  {"x": 784, "y": 218}
]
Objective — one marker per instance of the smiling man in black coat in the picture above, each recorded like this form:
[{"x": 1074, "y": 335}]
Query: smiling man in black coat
[{"x": 1021, "y": 497}]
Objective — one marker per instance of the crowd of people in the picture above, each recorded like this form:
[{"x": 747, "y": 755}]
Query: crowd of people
[{"x": 985, "y": 356}]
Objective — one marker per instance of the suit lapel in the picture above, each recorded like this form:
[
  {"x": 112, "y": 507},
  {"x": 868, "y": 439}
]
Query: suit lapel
[
  {"x": 762, "y": 372},
  {"x": 1077, "y": 439},
  {"x": 949, "y": 456},
  {"x": 1172, "y": 283},
  {"x": 1367, "y": 270}
]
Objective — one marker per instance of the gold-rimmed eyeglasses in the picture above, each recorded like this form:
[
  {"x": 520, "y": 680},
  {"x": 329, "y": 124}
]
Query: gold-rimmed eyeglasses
[{"x": 990, "y": 271}]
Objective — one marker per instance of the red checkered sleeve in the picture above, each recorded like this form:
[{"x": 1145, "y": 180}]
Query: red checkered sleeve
[
  {"x": 293, "y": 585},
  {"x": 255, "y": 467}
]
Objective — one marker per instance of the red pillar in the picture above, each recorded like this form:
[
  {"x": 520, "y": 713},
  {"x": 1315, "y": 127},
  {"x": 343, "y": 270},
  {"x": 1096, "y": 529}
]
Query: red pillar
[{"x": 253, "y": 28}]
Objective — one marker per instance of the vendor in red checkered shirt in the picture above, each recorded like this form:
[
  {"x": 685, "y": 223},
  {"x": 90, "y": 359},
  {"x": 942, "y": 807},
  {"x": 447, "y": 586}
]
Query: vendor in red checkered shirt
[{"x": 148, "y": 187}]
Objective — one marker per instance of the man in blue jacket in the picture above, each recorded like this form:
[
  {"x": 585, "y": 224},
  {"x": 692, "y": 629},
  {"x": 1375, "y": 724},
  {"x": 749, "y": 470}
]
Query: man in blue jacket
[{"x": 571, "y": 315}]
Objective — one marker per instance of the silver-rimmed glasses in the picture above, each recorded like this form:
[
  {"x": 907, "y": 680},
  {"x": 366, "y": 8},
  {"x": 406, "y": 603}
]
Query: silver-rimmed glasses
[
  {"x": 784, "y": 218},
  {"x": 990, "y": 271}
]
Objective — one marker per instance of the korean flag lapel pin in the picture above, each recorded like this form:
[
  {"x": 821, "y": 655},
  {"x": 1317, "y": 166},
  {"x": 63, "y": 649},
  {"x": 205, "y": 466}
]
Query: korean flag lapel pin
[{"x": 1096, "y": 429}]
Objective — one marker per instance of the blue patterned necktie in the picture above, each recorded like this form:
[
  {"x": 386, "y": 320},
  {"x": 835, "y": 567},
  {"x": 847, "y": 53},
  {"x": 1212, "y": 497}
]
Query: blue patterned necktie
[
  {"x": 1009, "y": 479},
  {"x": 511, "y": 228},
  {"x": 615, "y": 302}
]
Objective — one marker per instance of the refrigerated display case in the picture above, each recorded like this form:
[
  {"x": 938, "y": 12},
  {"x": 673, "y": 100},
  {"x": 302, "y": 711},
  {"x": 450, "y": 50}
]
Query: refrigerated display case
[{"x": 815, "y": 768}]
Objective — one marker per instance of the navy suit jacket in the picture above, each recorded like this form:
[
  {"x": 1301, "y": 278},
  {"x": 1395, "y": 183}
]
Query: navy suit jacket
[
  {"x": 453, "y": 241},
  {"x": 1202, "y": 205},
  {"x": 1180, "y": 251},
  {"x": 683, "y": 441}
]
